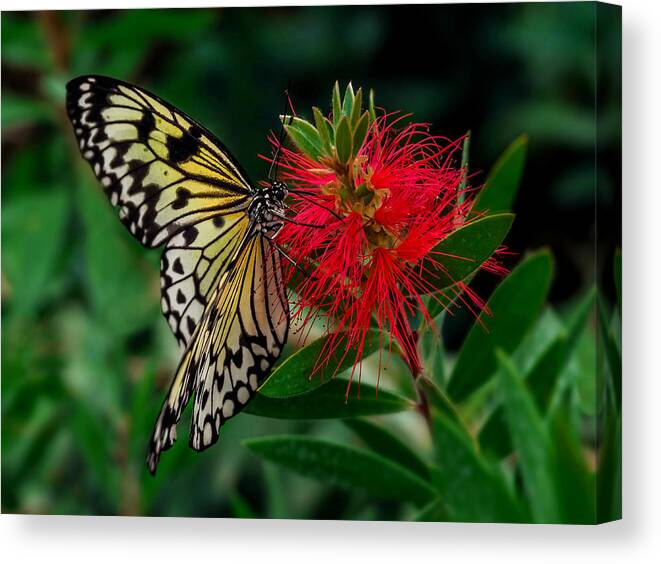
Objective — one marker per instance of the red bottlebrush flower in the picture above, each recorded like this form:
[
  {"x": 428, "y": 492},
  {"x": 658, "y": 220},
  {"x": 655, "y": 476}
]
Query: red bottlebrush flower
[{"x": 366, "y": 227}]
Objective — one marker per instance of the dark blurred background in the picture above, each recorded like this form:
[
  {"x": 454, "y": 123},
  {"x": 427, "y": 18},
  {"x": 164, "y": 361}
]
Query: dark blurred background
[{"x": 80, "y": 298}]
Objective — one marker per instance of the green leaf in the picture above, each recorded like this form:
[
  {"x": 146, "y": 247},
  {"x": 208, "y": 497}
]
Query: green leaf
[
  {"x": 503, "y": 181},
  {"x": 385, "y": 443},
  {"x": 471, "y": 489},
  {"x": 304, "y": 135},
  {"x": 359, "y": 134},
  {"x": 546, "y": 331},
  {"x": 337, "y": 104},
  {"x": 347, "y": 103},
  {"x": 343, "y": 465},
  {"x": 541, "y": 370},
  {"x": 277, "y": 499},
  {"x": 93, "y": 351},
  {"x": 323, "y": 129},
  {"x": 461, "y": 253},
  {"x": 296, "y": 375},
  {"x": 37, "y": 430},
  {"x": 613, "y": 358},
  {"x": 92, "y": 440},
  {"x": 241, "y": 509},
  {"x": 537, "y": 359},
  {"x": 35, "y": 225},
  {"x": 433, "y": 512},
  {"x": 439, "y": 302},
  {"x": 514, "y": 307},
  {"x": 343, "y": 142},
  {"x": 581, "y": 376},
  {"x": 609, "y": 470},
  {"x": 532, "y": 443},
  {"x": 144, "y": 403},
  {"x": 439, "y": 400},
  {"x": 330, "y": 402},
  {"x": 433, "y": 355},
  {"x": 357, "y": 108},
  {"x": 494, "y": 437},
  {"x": 544, "y": 375},
  {"x": 576, "y": 483},
  {"x": 464, "y": 165}
]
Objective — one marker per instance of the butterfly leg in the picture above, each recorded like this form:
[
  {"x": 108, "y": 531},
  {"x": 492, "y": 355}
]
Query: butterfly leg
[
  {"x": 293, "y": 221},
  {"x": 305, "y": 197},
  {"x": 291, "y": 260}
]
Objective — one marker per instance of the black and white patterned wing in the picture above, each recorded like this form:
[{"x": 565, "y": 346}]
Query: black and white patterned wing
[
  {"x": 192, "y": 265},
  {"x": 162, "y": 170},
  {"x": 239, "y": 338}
]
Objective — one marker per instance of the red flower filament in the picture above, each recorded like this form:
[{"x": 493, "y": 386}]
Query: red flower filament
[{"x": 366, "y": 230}]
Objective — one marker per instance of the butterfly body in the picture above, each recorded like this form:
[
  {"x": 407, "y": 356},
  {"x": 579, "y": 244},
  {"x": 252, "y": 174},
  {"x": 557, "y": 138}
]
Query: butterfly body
[
  {"x": 266, "y": 210},
  {"x": 176, "y": 185}
]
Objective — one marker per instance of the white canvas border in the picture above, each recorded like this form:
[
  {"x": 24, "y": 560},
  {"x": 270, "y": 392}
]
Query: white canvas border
[{"x": 635, "y": 539}]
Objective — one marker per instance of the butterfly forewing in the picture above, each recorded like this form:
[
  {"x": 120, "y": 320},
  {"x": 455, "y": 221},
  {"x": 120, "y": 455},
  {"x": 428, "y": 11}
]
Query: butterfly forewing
[
  {"x": 171, "y": 181},
  {"x": 161, "y": 169}
]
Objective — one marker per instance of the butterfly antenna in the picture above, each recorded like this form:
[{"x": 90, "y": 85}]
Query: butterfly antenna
[
  {"x": 276, "y": 158},
  {"x": 275, "y": 162},
  {"x": 308, "y": 199},
  {"x": 294, "y": 221},
  {"x": 289, "y": 259}
]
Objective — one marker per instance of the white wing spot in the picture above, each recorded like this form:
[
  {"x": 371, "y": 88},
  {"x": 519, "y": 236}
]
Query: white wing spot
[
  {"x": 83, "y": 100},
  {"x": 208, "y": 433},
  {"x": 243, "y": 395},
  {"x": 228, "y": 409}
]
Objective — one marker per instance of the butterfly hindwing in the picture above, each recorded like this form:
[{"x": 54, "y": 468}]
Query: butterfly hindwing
[
  {"x": 241, "y": 349},
  {"x": 240, "y": 336},
  {"x": 192, "y": 264},
  {"x": 160, "y": 168}
]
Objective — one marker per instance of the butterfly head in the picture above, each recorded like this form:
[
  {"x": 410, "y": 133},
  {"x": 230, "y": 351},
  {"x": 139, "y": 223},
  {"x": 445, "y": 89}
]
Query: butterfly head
[{"x": 279, "y": 190}]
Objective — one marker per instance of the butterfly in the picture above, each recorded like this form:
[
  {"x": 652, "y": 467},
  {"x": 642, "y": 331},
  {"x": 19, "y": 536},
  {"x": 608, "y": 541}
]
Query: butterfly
[{"x": 176, "y": 185}]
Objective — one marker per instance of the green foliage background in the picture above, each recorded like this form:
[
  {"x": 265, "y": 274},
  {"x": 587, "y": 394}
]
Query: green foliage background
[{"x": 526, "y": 415}]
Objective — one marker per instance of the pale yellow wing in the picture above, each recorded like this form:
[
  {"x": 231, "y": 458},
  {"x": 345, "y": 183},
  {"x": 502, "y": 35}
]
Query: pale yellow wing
[
  {"x": 160, "y": 168},
  {"x": 239, "y": 338},
  {"x": 192, "y": 265}
]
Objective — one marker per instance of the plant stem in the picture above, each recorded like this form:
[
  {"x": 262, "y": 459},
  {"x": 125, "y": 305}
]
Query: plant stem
[
  {"x": 415, "y": 367},
  {"x": 423, "y": 401}
]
